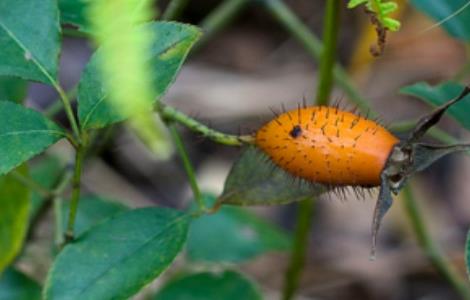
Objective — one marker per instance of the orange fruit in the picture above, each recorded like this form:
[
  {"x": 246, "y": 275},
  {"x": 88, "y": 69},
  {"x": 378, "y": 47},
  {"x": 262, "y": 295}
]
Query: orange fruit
[{"x": 326, "y": 145}]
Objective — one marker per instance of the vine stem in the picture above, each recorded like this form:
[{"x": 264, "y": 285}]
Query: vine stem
[
  {"x": 170, "y": 113},
  {"x": 306, "y": 207},
  {"x": 174, "y": 9},
  {"x": 314, "y": 47},
  {"x": 429, "y": 247},
  {"x": 76, "y": 180},
  {"x": 188, "y": 167}
]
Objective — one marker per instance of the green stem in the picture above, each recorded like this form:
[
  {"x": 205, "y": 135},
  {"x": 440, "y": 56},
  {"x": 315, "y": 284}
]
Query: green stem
[
  {"x": 188, "y": 167},
  {"x": 57, "y": 106},
  {"x": 172, "y": 114},
  {"x": 174, "y": 9},
  {"x": 328, "y": 56},
  {"x": 314, "y": 47},
  {"x": 219, "y": 18},
  {"x": 31, "y": 184},
  {"x": 68, "y": 111},
  {"x": 307, "y": 206},
  {"x": 305, "y": 210},
  {"x": 75, "y": 198},
  {"x": 442, "y": 265}
]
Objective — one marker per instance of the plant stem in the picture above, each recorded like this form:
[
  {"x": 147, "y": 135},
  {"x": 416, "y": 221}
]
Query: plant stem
[
  {"x": 442, "y": 265},
  {"x": 172, "y": 114},
  {"x": 307, "y": 206},
  {"x": 188, "y": 167},
  {"x": 56, "y": 106},
  {"x": 68, "y": 111},
  {"x": 75, "y": 198},
  {"x": 328, "y": 56},
  {"x": 174, "y": 9},
  {"x": 31, "y": 184},
  {"x": 305, "y": 210},
  {"x": 219, "y": 18},
  {"x": 314, "y": 47}
]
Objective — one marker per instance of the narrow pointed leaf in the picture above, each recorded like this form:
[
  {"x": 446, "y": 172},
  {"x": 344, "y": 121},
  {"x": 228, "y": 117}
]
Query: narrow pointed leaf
[
  {"x": 254, "y": 180},
  {"x": 30, "y": 39},
  {"x": 14, "y": 215},
  {"x": 440, "y": 94},
  {"x": 170, "y": 46},
  {"x": 15, "y": 285},
  {"x": 228, "y": 285},
  {"x": 24, "y": 133},
  {"x": 425, "y": 155},
  {"x": 384, "y": 202},
  {"x": 119, "y": 256}
]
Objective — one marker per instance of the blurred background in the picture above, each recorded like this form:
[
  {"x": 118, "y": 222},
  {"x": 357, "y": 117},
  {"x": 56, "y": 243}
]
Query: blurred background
[{"x": 230, "y": 81}]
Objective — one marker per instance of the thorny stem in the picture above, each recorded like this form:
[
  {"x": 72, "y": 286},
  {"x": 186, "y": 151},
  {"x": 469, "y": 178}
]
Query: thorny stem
[
  {"x": 328, "y": 56},
  {"x": 314, "y": 47},
  {"x": 306, "y": 207},
  {"x": 305, "y": 210},
  {"x": 219, "y": 18},
  {"x": 188, "y": 167},
  {"x": 76, "y": 180},
  {"x": 174, "y": 9},
  {"x": 429, "y": 247},
  {"x": 170, "y": 113}
]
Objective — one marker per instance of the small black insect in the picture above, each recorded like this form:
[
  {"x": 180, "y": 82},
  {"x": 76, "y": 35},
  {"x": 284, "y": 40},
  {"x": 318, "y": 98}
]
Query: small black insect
[{"x": 296, "y": 131}]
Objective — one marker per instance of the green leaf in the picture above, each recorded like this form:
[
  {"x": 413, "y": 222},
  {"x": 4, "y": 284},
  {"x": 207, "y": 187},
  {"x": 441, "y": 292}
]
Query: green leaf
[
  {"x": 228, "y": 285},
  {"x": 46, "y": 173},
  {"x": 454, "y": 14},
  {"x": 250, "y": 236},
  {"x": 116, "y": 258},
  {"x": 170, "y": 46},
  {"x": 354, "y": 3},
  {"x": 73, "y": 12},
  {"x": 30, "y": 39},
  {"x": 24, "y": 133},
  {"x": 91, "y": 211},
  {"x": 12, "y": 89},
  {"x": 254, "y": 180},
  {"x": 14, "y": 215},
  {"x": 439, "y": 94},
  {"x": 15, "y": 285}
]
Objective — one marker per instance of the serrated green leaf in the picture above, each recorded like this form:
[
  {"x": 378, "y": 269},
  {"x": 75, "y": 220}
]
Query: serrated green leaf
[
  {"x": 250, "y": 236},
  {"x": 12, "y": 89},
  {"x": 171, "y": 43},
  {"x": 91, "y": 211},
  {"x": 254, "y": 180},
  {"x": 14, "y": 215},
  {"x": 439, "y": 94},
  {"x": 119, "y": 256},
  {"x": 30, "y": 35},
  {"x": 15, "y": 285},
  {"x": 454, "y": 15},
  {"x": 24, "y": 133},
  {"x": 228, "y": 285}
]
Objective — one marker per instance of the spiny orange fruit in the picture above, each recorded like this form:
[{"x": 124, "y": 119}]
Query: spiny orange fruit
[{"x": 326, "y": 145}]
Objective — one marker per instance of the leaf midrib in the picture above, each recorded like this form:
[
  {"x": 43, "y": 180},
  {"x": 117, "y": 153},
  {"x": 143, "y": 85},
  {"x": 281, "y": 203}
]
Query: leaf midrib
[
  {"x": 25, "y": 49},
  {"x": 130, "y": 254}
]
